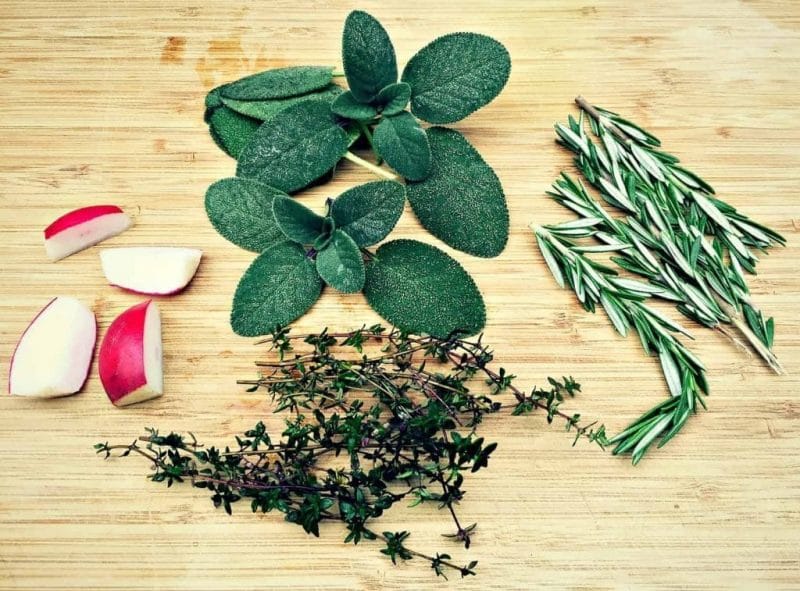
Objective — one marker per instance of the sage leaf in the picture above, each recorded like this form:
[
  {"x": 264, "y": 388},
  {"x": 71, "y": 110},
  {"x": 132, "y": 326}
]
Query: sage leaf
[
  {"x": 367, "y": 213},
  {"x": 231, "y": 131},
  {"x": 456, "y": 75},
  {"x": 394, "y": 98},
  {"x": 265, "y": 109},
  {"x": 300, "y": 144},
  {"x": 241, "y": 211},
  {"x": 420, "y": 289},
  {"x": 296, "y": 221},
  {"x": 368, "y": 56},
  {"x": 403, "y": 144},
  {"x": 346, "y": 105},
  {"x": 461, "y": 202},
  {"x": 341, "y": 265},
  {"x": 212, "y": 102},
  {"x": 278, "y": 287},
  {"x": 279, "y": 83}
]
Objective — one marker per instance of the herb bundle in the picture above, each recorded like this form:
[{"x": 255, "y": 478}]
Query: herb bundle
[
  {"x": 691, "y": 247},
  {"x": 289, "y": 128},
  {"x": 377, "y": 417}
]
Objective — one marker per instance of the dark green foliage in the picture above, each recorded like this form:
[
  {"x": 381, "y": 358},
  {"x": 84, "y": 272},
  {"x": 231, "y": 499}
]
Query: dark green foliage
[
  {"x": 368, "y": 213},
  {"x": 298, "y": 145},
  {"x": 231, "y": 131},
  {"x": 456, "y": 75},
  {"x": 265, "y": 109},
  {"x": 419, "y": 288},
  {"x": 403, "y": 144},
  {"x": 241, "y": 210},
  {"x": 340, "y": 264},
  {"x": 461, "y": 201},
  {"x": 394, "y": 98},
  {"x": 370, "y": 425},
  {"x": 346, "y": 105},
  {"x": 368, "y": 56},
  {"x": 296, "y": 221},
  {"x": 279, "y": 83},
  {"x": 278, "y": 287}
]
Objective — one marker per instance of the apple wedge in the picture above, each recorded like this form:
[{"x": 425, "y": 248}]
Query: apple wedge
[
  {"x": 130, "y": 356},
  {"x": 53, "y": 355},
  {"x": 152, "y": 270},
  {"x": 83, "y": 228}
]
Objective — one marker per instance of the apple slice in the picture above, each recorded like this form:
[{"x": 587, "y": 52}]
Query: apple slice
[
  {"x": 83, "y": 228},
  {"x": 53, "y": 355},
  {"x": 130, "y": 356},
  {"x": 153, "y": 270}
]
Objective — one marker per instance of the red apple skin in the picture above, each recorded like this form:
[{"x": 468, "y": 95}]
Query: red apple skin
[
  {"x": 79, "y": 216},
  {"x": 121, "y": 359}
]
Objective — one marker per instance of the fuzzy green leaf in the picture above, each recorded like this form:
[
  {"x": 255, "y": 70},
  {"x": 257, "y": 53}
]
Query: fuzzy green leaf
[
  {"x": 394, "y": 98},
  {"x": 346, "y": 105},
  {"x": 278, "y": 287},
  {"x": 241, "y": 210},
  {"x": 461, "y": 202},
  {"x": 401, "y": 141},
  {"x": 300, "y": 144},
  {"x": 212, "y": 102},
  {"x": 419, "y": 288},
  {"x": 296, "y": 221},
  {"x": 456, "y": 75},
  {"x": 279, "y": 83},
  {"x": 341, "y": 265},
  {"x": 368, "y": 213},
  {"x": 231, "y": 131},
  {"x": 263, "y": 110},
  {"x": 368, "y": 56}
]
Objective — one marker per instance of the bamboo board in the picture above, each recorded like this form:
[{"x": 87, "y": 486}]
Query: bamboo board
[{"x": 102, "y": 102}]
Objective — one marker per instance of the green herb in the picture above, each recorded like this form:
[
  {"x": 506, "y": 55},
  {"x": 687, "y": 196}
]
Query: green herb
[
  {"x": 231, "y": 131},
  {"x": 265, "y": 109},
  {"x": 394, "y": 98},
  {"x": 419, "y": 288},
  {"x": 279, "y": 83},
  {"x": 340, "y": 264},
  {"x": 297, "y": 222},
  {"x": 347, "y": 106},
  {"x": 403, "y": 144},
  {"x": 241, "y": 210},
  {"x": 368, "y": 56},
  {"x": 368, "y": 213},
  {"x": 456, "y": 75},
  {"x": 300, "y": 144},
  {"x": 376, "y": 418},
  {"x": 461, "y": 202},
  {"x": 278, "y": 287}
]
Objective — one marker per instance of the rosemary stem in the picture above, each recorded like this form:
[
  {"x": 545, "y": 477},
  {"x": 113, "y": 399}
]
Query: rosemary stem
[
  {"x": 371, "y": 167},
  {"x": 616, "y": 131}
]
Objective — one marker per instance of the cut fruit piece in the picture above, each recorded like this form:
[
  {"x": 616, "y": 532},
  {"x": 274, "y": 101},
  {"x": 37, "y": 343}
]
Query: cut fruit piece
[
  {"x": 130, "y": 356},
  {"x": 154, "y": 270},
  {"x": 83, "y": 228},
  {"x": 53, "y": 355}
]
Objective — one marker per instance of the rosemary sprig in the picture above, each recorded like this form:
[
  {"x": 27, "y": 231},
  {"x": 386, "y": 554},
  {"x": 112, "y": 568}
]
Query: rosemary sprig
[
  {"x": 377, "y": 417},
  {"x": 623, "y": 301}
]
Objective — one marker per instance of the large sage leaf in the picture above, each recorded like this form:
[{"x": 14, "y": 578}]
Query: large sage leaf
[
  {"x": 265, "y": 109},
  {"x": 296, "y": 221},
  {"x": 368, "y": 212},
  {"x": 461, "y": 202},
  {"x": 404, "y": 145},
  {"x": 455, "y": 75},
  {"x": 368, "y": 56},
  {"x": 231, "y": 131},
  {"x": 279, "y": 83},
  {"x": 420, "y": 289},
  {"x": 341, "y": 265},
  {"x": 241, "y": 210},
  {"x": 297, "y": 146},
  {"x": 278, "y": 287}
]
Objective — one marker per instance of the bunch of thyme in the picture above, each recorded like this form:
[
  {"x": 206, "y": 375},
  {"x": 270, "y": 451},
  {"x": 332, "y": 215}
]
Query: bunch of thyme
[{"x": 377, "y": 417}]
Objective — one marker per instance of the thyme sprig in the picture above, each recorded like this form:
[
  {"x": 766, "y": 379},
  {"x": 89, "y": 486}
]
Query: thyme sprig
[{"x": 376, "y": 417}]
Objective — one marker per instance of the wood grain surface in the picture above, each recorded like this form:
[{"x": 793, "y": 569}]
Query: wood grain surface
[{"x": 102, "y": 102}]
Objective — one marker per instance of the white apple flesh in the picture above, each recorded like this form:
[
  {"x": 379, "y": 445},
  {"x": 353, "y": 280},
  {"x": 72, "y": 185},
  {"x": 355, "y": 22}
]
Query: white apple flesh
[
  {"x": 131, "y": 356},
  {"x": 82, "y": 228},
  {"x": 53, "y": 355},
  {"x": 153, "y": 270}
]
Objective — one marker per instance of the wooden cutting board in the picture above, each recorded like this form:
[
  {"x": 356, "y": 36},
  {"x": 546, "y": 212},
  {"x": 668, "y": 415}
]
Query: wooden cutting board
[{"x": 102, "y": 102}]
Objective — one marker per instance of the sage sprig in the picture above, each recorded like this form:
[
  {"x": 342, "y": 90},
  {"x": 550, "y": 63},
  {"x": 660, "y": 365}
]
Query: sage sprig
[{"x": 376, "y": 417}]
